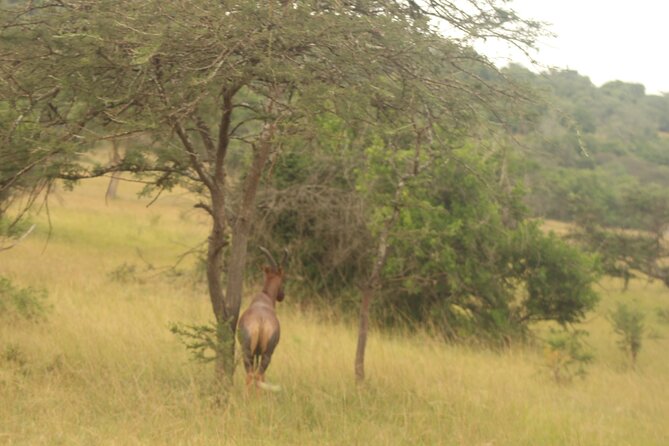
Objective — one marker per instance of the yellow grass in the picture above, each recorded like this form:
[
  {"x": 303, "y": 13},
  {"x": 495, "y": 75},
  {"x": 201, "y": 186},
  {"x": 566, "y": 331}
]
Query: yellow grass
[{"x": 104, "y": 369}]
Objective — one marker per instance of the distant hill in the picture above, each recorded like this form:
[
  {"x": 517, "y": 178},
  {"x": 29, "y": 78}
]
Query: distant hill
[{"x": 590, "y": 143}]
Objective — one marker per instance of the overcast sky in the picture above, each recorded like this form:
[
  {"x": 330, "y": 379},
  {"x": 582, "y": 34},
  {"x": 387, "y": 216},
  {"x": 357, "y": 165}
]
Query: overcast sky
[{"x": 603, "y": 39}]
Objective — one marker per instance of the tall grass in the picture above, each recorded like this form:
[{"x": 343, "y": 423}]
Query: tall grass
[{"x": 104, "y": 368}]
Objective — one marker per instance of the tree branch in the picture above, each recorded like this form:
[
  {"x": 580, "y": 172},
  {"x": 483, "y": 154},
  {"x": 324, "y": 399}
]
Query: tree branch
[
  {"x": 17, "y": 241},
  {"x": 224, "y": 131}
]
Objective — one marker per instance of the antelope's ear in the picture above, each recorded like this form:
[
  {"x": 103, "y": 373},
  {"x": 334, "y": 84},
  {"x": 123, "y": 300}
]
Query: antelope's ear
[{"x": 267, "y": 269}]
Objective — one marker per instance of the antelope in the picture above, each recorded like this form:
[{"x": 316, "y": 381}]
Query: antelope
[{"x": 258, "y": 330}]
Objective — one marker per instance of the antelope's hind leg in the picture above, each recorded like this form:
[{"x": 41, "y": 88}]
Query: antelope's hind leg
[
  {"x": 264, "y": 363},
  {"x": 247, "y": 356},
  {"x": 266, "y": 357}
]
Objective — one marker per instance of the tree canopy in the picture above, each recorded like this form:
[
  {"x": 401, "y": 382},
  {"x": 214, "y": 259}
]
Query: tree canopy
[{"x": 224, "y": 97}]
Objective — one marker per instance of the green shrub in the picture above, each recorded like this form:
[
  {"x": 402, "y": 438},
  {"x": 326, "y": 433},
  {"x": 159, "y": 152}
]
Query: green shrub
[
  {"x": 629, "y": 326},
  {"x": 200, "y": 340},
  {"x": 23, "y": 303},
  {"x": 566, "y": 354},
  {"x": 662, "y": 315}
]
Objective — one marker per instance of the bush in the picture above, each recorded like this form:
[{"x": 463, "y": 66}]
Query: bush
[
  {"x": 566, "y": 354},
  {"x": 124, "y": 273},
  {"x": 22, "y": 303},
  {"x": 662, "y": 315},
  {"x": 628, "y": 324}
]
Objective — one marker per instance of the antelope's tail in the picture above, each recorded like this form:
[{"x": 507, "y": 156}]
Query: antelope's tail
[{"x": 268, "y": 386}]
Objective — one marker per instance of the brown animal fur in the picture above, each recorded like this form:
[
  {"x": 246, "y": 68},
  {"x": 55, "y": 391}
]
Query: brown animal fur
[{"x": 259, "y": 330}]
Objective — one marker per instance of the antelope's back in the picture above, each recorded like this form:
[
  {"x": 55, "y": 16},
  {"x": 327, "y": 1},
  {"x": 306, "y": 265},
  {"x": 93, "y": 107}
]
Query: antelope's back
[{"x": 259, "y": 328}]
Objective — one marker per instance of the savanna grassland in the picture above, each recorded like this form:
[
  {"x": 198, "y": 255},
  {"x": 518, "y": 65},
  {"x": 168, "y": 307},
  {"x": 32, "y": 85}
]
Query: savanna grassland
[{"x": 103, "y": 367}]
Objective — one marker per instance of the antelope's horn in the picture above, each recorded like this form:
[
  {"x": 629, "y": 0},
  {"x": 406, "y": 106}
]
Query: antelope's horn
[
  {"x": 270, "y": 258},
  {"x": 284, "y": 257}
]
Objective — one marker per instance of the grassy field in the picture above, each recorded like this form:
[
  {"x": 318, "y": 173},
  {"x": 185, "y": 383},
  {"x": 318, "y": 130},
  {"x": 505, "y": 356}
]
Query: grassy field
[{"x": 103, "y": 368}]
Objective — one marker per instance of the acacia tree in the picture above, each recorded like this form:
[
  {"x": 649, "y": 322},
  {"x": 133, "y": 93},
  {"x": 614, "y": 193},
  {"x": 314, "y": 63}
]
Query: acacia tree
[
  {"x": 625, "y": 228},
  {"x": 205, "y": 94}
]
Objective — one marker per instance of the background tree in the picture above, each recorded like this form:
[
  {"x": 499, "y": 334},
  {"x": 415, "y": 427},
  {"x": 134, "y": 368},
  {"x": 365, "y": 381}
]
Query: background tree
[
  {"x": 598, "y": 160},
  {"x": 429, "y": 216}
]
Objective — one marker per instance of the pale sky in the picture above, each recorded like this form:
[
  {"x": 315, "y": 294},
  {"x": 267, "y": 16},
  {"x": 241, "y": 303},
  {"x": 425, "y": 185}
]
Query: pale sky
[{"x": 604, "y": 40}]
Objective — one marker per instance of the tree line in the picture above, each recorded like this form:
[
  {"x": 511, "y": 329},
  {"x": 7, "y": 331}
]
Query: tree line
[{"x": 599, "y": 159}]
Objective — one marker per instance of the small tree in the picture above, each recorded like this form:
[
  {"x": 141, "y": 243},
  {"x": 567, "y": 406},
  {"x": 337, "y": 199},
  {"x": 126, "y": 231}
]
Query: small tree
[
  {"x": 629, "y": 326},
  {"x": 626, "y": 229},
  {"x": 566, "y": 354}
]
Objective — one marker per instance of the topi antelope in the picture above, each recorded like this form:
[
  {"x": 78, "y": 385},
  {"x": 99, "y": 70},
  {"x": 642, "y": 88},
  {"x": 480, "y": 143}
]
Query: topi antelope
[{"x": 258, "y": 329}]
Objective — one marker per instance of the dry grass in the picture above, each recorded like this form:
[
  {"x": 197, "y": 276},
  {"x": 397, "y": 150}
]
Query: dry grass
[{"x": 104, "y": 369}]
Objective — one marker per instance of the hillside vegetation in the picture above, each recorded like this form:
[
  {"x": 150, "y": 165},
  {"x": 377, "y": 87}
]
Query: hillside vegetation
[
  {"x": 103, "y": 368},
  {"x": 592, "y": 146},
  {"x": 598, "y": 157}
]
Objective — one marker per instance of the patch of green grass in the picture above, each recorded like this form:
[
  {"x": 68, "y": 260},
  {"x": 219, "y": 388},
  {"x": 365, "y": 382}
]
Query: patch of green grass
[{"x": 21, "y": 303}]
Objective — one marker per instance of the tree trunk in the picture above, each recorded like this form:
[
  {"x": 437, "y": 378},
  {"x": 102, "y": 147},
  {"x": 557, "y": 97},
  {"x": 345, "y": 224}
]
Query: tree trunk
[
  {"x": 242, "y": 225},
  {"x": 224, "y": 366},
  {"x": 113, "y": 182},
  {"x": 226, "y": 305},
  {"x": 363, "y": 329},
  {"x": 229, "y": 308},
  {"x": 369, "y": 291},
  {"x": 374, "y": 282},
  {"x": 225, "y": 354}
]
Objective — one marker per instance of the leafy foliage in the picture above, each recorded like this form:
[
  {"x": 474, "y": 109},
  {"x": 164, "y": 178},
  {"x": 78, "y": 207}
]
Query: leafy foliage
[
  {"x": 124, "y": 273},
  {"x": 558, "y": 278},
  {"x": 662, "y": 314},
  {"x": 200, "y": 340},
  {"x": 463, "y": 259},
  {"x": 22, "y": 303},
  {"x": 629, "y": 326},
  {"x": 566, "y": 354}
]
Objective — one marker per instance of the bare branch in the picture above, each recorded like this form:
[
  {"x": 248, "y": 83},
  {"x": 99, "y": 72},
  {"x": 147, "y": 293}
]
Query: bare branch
[
  {"x": 206, "y": 207},
  {"x": 18, "y": 240}
]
